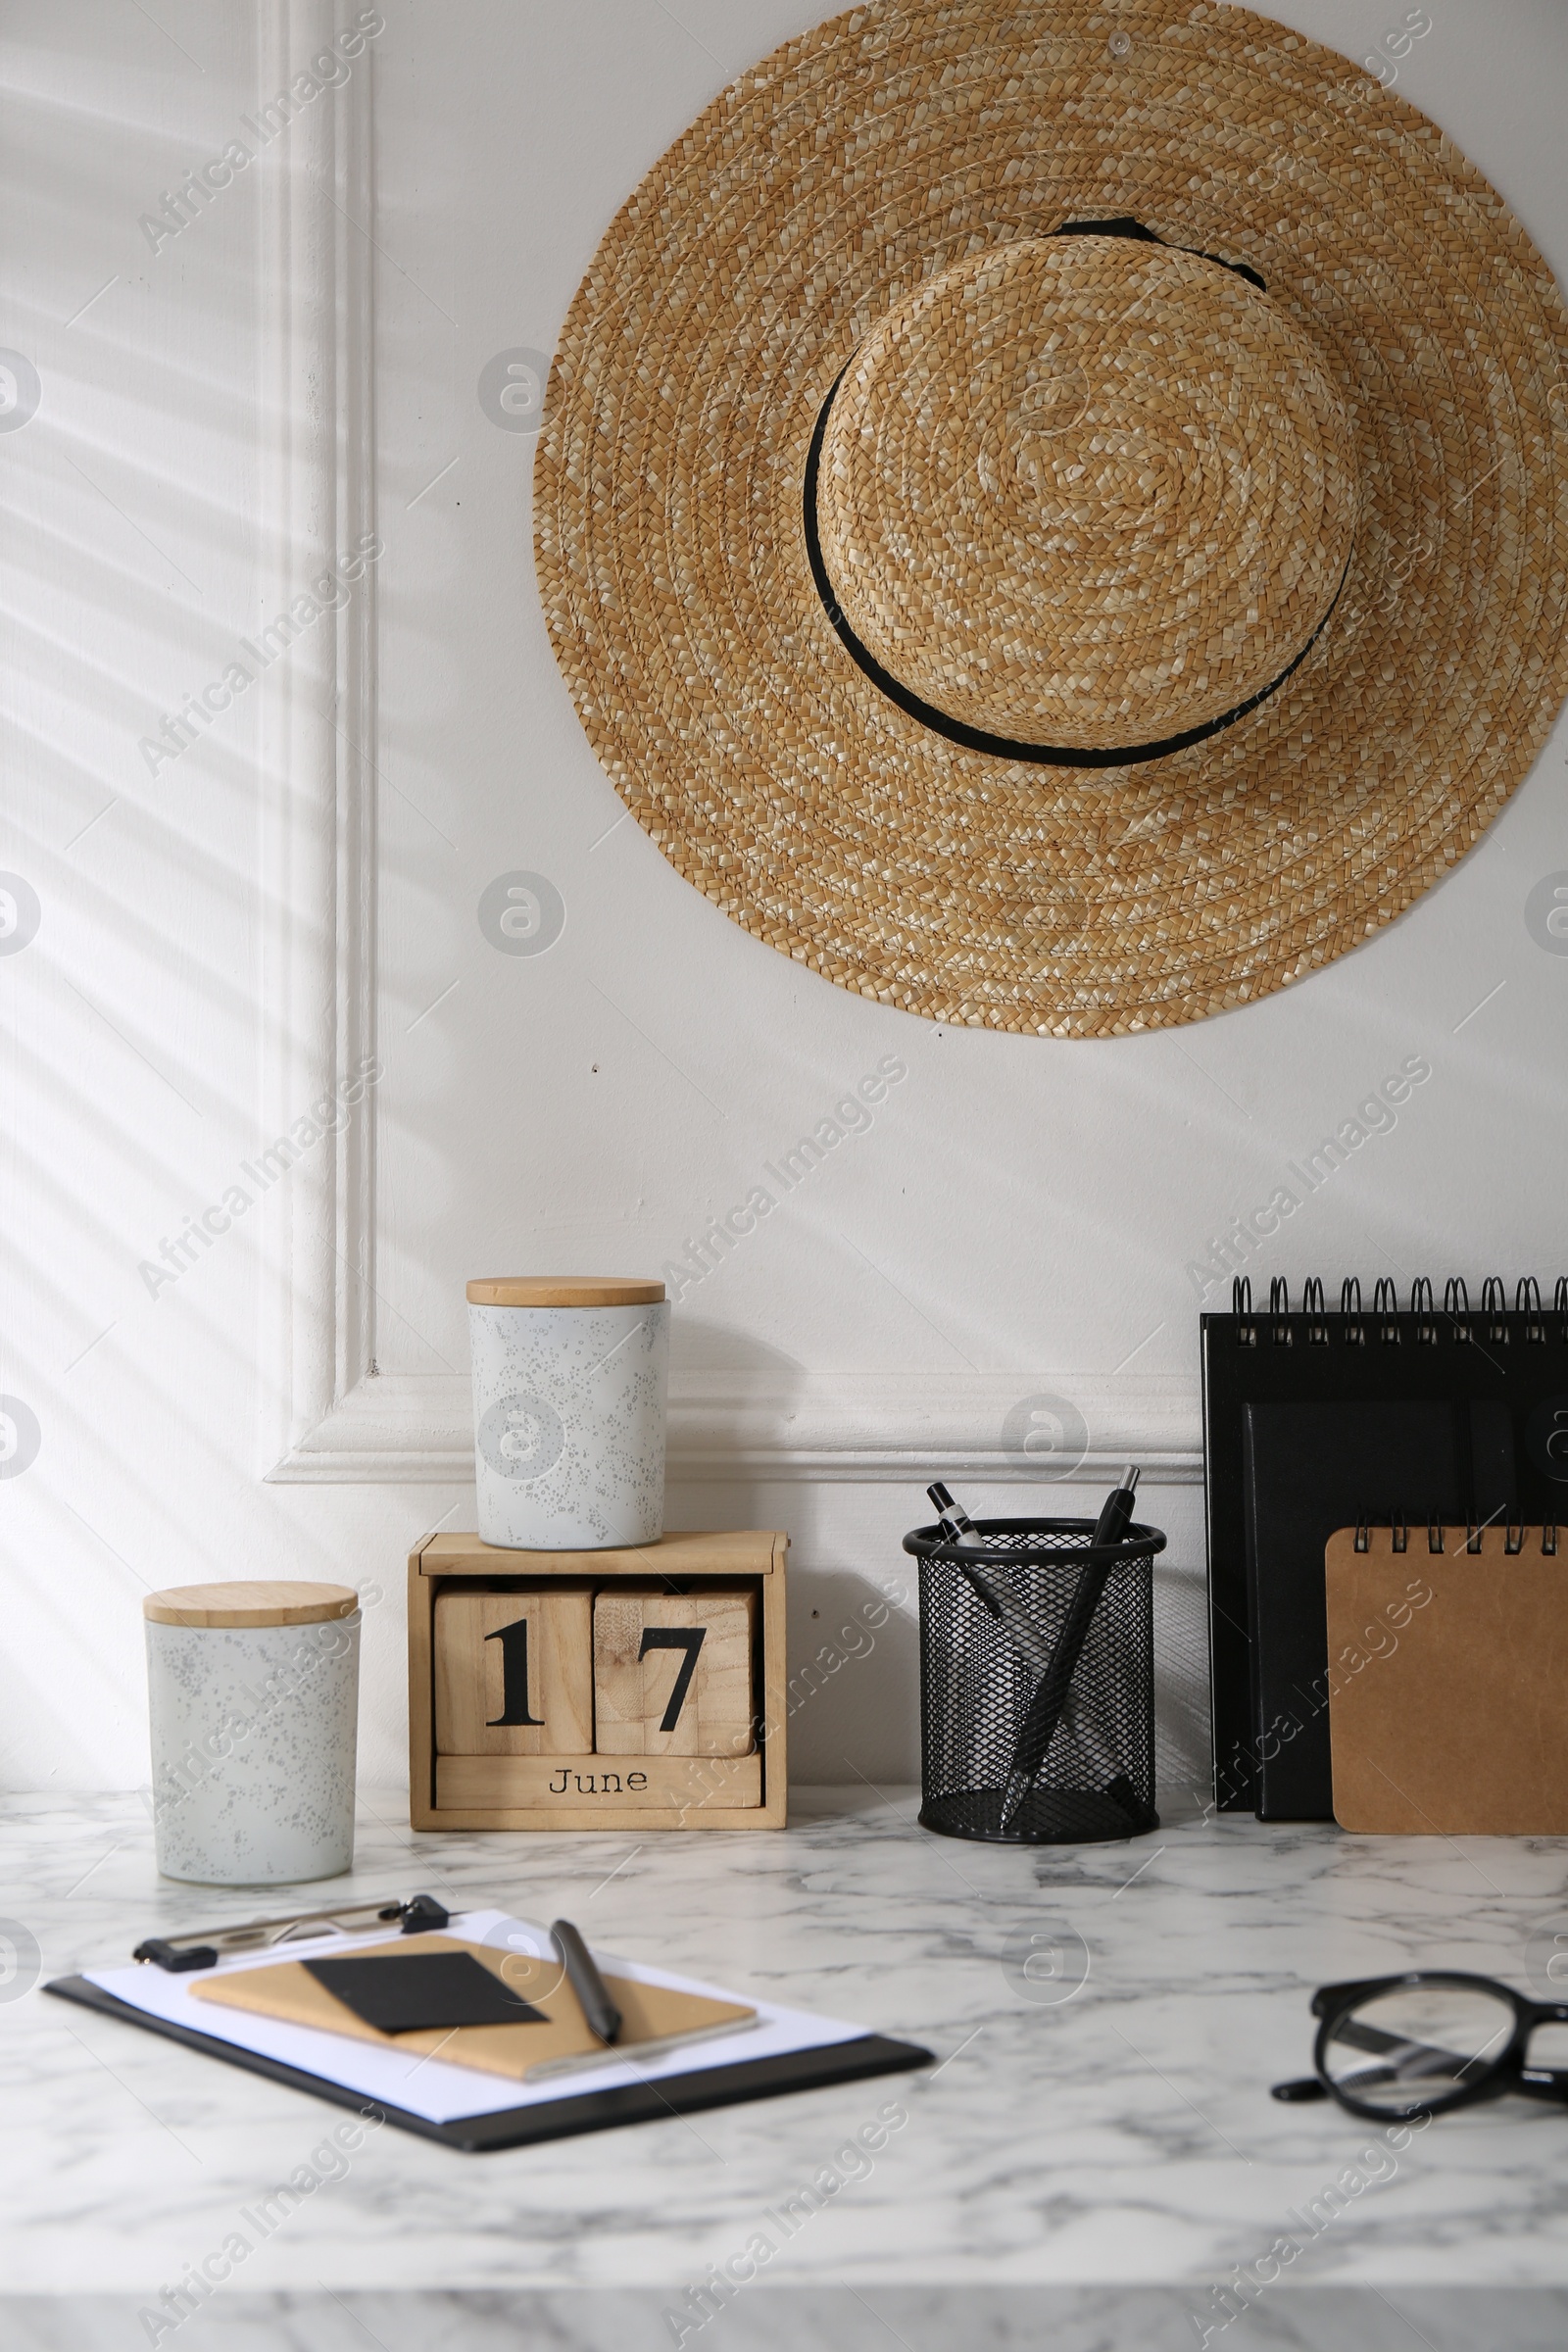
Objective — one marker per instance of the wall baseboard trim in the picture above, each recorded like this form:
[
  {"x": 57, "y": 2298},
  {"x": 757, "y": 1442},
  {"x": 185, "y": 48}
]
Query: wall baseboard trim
[{"x": 814, "y": 1427}]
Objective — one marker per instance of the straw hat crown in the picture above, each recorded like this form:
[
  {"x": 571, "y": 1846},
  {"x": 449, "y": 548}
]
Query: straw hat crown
[{"x": 1086, "y": 492}]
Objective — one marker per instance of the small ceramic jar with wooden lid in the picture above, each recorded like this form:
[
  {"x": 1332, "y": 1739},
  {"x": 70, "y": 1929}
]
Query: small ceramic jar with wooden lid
[
  {"x": 568, "y": 1406},
  {"x": 252, "y": 1695}
]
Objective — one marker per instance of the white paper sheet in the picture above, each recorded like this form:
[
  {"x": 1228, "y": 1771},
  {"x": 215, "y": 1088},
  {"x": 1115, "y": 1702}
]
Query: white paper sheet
[{"x": 427, "y": 2086}]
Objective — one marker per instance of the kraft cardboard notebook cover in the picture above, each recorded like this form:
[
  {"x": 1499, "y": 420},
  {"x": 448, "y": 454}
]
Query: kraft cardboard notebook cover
[
  {"x": 1449, "y": 1685},
  {"x": 653, "y": 2018}
]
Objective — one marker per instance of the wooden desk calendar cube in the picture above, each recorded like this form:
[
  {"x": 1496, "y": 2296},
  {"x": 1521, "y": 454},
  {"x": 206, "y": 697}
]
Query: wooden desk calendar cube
[
  {"x": 629, "y": 1773},
  {"x": 673, "y": 1673},
  {"x": 514, "y": 1671}
]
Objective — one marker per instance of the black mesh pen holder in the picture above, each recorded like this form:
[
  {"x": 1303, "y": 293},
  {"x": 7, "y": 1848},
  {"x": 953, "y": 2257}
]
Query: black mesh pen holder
[{"x": 992, "y": 1668}]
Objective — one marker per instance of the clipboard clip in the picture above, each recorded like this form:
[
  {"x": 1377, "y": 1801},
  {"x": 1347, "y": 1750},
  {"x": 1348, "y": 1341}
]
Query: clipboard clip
[{"x": 204, "y": 1947}]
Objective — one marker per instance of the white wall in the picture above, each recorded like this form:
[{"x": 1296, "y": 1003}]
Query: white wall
[{"x": 1016, "y": 1224}]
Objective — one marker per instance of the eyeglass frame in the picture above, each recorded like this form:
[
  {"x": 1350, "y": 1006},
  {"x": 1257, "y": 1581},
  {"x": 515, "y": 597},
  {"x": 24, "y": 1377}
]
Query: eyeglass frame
[{"x": 1507, "y": 2072}]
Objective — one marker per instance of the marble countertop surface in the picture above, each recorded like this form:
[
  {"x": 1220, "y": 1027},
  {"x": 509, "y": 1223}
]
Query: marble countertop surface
[{"x": 1095, "y": 2139}]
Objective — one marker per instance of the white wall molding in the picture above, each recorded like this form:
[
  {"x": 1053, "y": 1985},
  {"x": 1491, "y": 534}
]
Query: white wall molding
[
  {"x": 327, "y": 1418},
  {"x": 798, "y": 1426},
  {"x": 317, "y": 774}
]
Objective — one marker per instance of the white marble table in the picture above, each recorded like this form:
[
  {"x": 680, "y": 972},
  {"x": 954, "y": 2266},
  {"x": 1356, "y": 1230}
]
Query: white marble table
[{"x": 1089, "y": 2159}]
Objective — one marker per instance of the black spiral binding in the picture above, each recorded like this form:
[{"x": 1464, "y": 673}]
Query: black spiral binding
[
  {"x": 1421, "y": 1304},
  {"x": 1514, "y": 1532},
  {"x": 1457, "y": 1305},
  {"x": 1353, "y": 1320},
  {"x": 1241, "y": 1308},
  {"x": 1318, "y": 1331},
  {"x": 1279, "y": 1306}
]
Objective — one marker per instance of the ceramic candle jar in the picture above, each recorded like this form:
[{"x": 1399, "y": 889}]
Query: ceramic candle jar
[
  {"x": 568, "y": 1406},
  {"x": 252, "y": 1694}
]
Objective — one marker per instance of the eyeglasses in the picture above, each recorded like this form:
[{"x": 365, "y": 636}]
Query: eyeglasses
[{"x": 1391, "y": 2048}]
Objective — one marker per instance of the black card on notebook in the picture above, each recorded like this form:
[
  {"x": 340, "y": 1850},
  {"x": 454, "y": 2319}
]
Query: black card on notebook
[
  {"x": 1311, "y": 1469},
  {"x": 416, "y": 1992}
]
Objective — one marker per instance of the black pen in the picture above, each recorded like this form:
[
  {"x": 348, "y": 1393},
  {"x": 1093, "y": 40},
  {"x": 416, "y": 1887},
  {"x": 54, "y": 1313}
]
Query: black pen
[
  {"x": 961, "y": 1532},
  {"x": 604, "y": 2018},
  {"x": 1050, "y": 1694}
]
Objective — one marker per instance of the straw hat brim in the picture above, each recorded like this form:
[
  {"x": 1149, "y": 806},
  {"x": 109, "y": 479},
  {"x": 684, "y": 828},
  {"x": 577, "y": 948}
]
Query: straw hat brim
[{"x": 824, "y": 188}]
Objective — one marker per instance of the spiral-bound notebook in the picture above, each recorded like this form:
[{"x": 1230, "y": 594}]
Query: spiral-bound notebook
[
  {"x": 1449, "y": 1681},
  {"x": 1315, "y": 1421}
]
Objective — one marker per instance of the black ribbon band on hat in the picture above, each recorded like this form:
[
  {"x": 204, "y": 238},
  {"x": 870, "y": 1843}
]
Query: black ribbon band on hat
[
  {"x": 975, "y": 739},
  {"x": 1123, "y": 224}
]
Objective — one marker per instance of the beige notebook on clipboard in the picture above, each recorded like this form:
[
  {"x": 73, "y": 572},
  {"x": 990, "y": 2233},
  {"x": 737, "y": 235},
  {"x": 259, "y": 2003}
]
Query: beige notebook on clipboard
[
  {"x": 1448, "y": 1684},
  {"x": 653, "y": 2018}
]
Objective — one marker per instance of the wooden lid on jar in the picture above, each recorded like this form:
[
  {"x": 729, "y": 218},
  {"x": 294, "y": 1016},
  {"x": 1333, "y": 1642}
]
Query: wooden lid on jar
[
  {"x": 251, "y": 1604},
  {"x": 564, "y": 1290}
]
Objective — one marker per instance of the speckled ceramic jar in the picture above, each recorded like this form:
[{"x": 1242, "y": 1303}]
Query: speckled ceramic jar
[
  {"x": 570, "y": 1375},
  {"x": 253, "y": 1698}
]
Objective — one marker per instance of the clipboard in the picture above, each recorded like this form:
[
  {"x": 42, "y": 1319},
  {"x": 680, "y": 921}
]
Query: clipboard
[
  {"x": 561, "y": 2118},
  {"x": 1449, "y": 1681},
  {"x": 676, "y": 2088}
]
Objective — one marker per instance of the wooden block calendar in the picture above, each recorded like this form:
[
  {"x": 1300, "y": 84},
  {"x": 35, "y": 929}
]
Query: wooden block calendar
[{"x": 640, "y": 1688}]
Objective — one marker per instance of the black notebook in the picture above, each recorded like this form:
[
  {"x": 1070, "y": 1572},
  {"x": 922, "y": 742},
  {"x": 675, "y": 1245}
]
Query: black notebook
[
  {"x": 1309, "y": 1469},
  {"x": 1315, "y": 1421}
]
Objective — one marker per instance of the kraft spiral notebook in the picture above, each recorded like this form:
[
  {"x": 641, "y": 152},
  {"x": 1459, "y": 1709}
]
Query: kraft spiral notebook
[
  {"x": 746, "y": 2050},
  {"x": 1313, "y": 1421},
  {"x": 1449, "y": 1681}
]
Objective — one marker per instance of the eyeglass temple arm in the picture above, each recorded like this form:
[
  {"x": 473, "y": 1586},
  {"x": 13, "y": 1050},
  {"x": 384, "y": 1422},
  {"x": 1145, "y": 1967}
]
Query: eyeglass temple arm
[
  {"x": 1304, "y": 2088},
  {"x": 1358, "y": 2036}
]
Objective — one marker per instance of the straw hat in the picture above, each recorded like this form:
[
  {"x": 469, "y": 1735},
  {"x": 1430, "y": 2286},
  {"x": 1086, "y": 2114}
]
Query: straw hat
[{"x": 1053, "y": 514}]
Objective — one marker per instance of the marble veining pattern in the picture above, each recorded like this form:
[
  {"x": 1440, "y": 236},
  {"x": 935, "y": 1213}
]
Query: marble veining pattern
[{"x": 1106, "y": 2020}]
